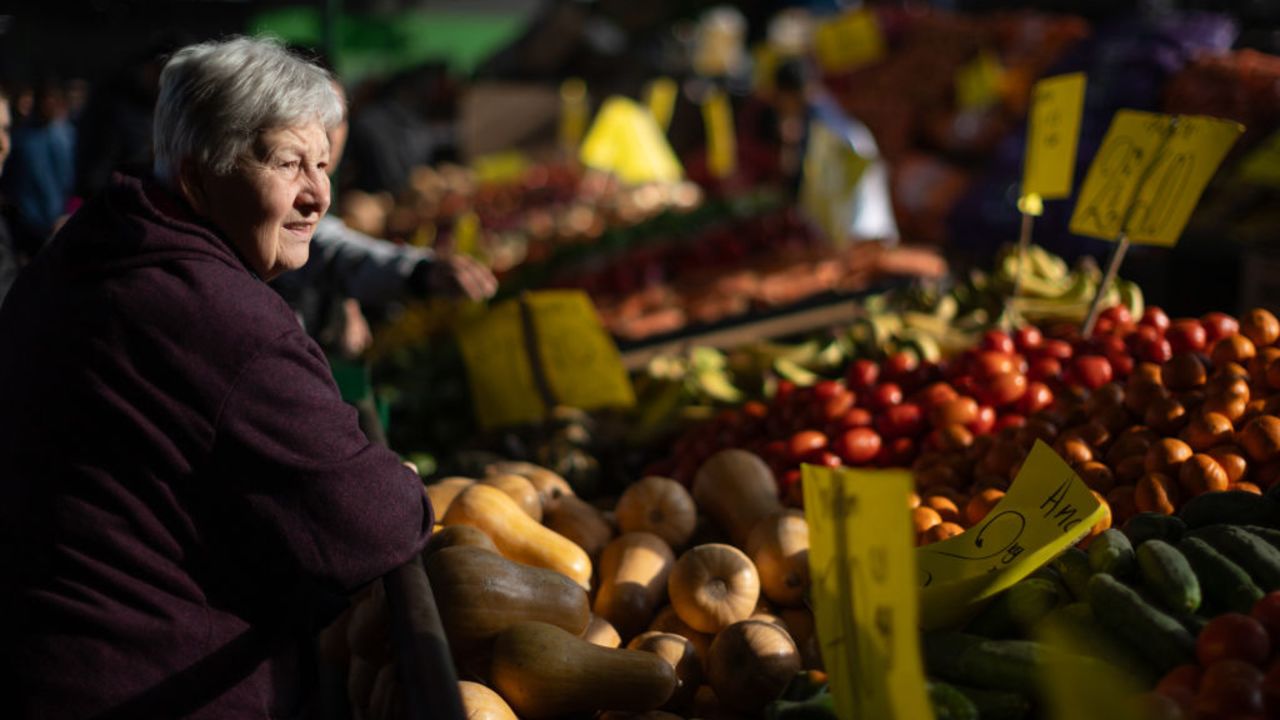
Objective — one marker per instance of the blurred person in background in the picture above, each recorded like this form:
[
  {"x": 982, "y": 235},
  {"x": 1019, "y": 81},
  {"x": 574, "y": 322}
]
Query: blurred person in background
[
  {"x": 186, "y": 499},
  {"x": 8, "y": 253},
  {"x": 41, "y": 173}
]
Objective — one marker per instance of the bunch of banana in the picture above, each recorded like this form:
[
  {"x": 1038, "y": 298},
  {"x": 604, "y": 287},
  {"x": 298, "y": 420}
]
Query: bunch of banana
[
  {"x": 675, "y": 388},
  {"x": 1050, "y": 292}
]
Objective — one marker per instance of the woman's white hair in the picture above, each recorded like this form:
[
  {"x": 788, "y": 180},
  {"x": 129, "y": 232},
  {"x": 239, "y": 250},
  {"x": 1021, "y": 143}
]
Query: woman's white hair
[{"x": 216, "y": 97}]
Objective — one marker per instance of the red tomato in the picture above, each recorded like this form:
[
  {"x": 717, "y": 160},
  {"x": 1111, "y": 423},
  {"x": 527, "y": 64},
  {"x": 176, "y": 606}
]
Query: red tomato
[
  {"x": 1157, "y": 351},
  {"x": 1118, "y": 315},
  {"x": 905, "y": 420},
  {"x": 1103, "y": 326},
  {"x": 998, "y": 341},
  {"x": 1155, "y": 317},
  {"x": 1229, "y": 689},
  {"x": 755, "y": 409},
  {"x": 885, "y": 395},
  {"x": 787, "y": 480},
  {"x": 784, "y": 391},
  {"x": 964, "y": 384},
  {"x": 1093, "y": 371},
  {"x": 1140, "y": 336},
  {"x": 856, "y": 417},
  {"x": 826, "y": 389},
  {"x": 1027, "y": 337},
  {"x": 1181, "y": 683},
  {"x": 1056, "y": 348},
  {"x": 1011, "y": 420},
  {"x": 899, "y": 452},
  {"x": 1037, "y": 398},
  {"x": 835, "y": 407},
  {"x": 1271, "y": 690},
  {"x": 824, "y": 458},
  {"x": 936, "y": 394},
  {"x": 858, "y": 446},
  {"x": 862, "y": 374},
  {"x": 985, "y": 422},
  {"x": 1156, "y": 706},
  {"x": 1003, "y": 389},
  {"x": 900, "y": 364},
  {"x": 1217, "y": 326},
  {"x": 1267, "y": 612},
  {"x": 989, "y": 363},
  {"x": 1121, "y": 365},
  {"x": 805, "y": 442},
  {"x": 1045, "y": 368},
  {"x": 1186, "y": 335},
  {"x": 1233, "y": 636}
]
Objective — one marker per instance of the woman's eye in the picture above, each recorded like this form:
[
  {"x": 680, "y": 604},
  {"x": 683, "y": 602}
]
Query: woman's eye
[{"x": 290, "y": 164}]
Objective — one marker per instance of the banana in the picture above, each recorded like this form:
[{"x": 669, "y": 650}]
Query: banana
[{"x": 716, "y": 385}]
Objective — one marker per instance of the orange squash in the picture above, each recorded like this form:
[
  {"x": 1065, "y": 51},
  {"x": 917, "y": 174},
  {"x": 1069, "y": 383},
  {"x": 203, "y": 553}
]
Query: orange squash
[
  {"x": 442, "y": 493},
  {"x": 516, "y": 534},
  {"x": 551, "y": 486},
  {"x": 736, "y": 489},
  {"x": 633, "y": 581},
  {"x": 751, "y": 664},
  {"x": 581, "y": 522},
  {"x": 800, "y": 624},
  {"x": 678, "y": 651},
  {"x": 481, "y": 703},
  {"x": 779, "y": 546},
  {"x": 520, "y": 490},
  {"x": 454, "y": 535},
  {"x": 658, "y": 505},
  {"x": 667, "y": 621},
  {"x": 713, "y": 586},
  {"x": 481, "y": 593},
  {"x": 601, "y": 632},
  {"x": 545, "y": 672}
]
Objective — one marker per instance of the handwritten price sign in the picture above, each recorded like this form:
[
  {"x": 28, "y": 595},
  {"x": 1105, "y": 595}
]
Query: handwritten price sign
[
  {"x": 1053, "y": 129},
  {"x": 849, "y": 41},
  {"x": 1149, "y": 174},
  {"x": 863, "y": 591},
  {"x": 1047, "y": 509},
  {"x": 578, "y": 357}
]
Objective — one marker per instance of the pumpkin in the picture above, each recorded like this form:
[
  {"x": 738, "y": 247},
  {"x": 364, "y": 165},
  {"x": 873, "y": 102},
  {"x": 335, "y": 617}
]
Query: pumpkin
[
  {"x": 667, "y": 621},
  {"x": 736, "y": 489},
  {"x": 551, "y": 486},
  {"x": 751, "y": 664},
  {"x": 713, "y": 586},
  {"x": 779, "y": 547},
  {"x": 520, "y": 490},
  {"x": 581, "y": 522},
  {"x": 454, "y": 535},
  {"x": 683, "y": 657},
  {"x": 544, "y": 672},
  {"x": 658, "y": 505},
  {"x": 633, "y": 581},
  {"x": 481, "y": 703},
  {"x": 516, "y": 534},
  {"x": 442, "y": 493}
]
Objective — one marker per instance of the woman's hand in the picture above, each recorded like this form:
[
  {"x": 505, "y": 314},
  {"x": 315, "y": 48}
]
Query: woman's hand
[{"x": 461, "y": 276}]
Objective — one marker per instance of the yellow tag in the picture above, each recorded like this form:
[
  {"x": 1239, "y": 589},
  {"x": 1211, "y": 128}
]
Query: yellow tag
[
  {"x": 1047, "y": 509},
  {"x": 1070, "y": 666},
  {"x": 573, "y": 113},
  {"x": 831, "y": 173},
  {"x": 1031, "y": 205},
  {"x": 424, "y": 236},
  {"x": 503, "y": 167},
  {"x": 498, "y": 370},
  {"x": 863, "y": 591},
  {"x": 1262, "y": 164},
  {"x": 626, "y": 141},
  {"x": 722, "y": 144},
  {"x": 978, "y": 82},
  {"x": 579, "y": 360},
  {"x": 1052, "y": 133},
  {"x": 662, "y": 101},
  {"x": 1149, "y": 174},
  {"x": 764, "y": 68},
  {"x": 849, "y": 41},
  {"x": 466, "y": 234}
]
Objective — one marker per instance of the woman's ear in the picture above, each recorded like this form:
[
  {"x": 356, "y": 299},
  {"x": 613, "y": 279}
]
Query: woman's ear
[{"x": 191, "y": 185}]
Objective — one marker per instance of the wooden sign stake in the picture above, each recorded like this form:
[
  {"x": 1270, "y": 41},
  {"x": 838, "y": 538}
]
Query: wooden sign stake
[{"x": 1113, "y": 266}]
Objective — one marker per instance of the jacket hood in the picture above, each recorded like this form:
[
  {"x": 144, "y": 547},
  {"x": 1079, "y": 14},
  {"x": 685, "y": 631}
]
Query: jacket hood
[{"x": 136, "y": 222}]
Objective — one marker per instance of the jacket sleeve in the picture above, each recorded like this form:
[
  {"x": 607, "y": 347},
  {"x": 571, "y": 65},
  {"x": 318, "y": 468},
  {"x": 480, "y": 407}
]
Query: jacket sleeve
[
  {"x": 373, "y": 271},
  {"x": 314, "y": 506}
]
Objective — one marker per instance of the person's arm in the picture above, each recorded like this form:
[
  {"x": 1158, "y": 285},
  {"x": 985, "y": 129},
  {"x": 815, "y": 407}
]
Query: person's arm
[{"x": 305, "y": 502}]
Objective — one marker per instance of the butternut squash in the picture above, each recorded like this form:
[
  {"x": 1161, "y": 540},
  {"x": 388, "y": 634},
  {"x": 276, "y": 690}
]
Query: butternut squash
[
  {"x": 633, "y": 575},
  {"x": 481, "y": 593},
  {"x": 481, "y": 703},
  {"x": 667, "y": 621},
  {"x": 545, "y": 672},
  {"x": 678, "y": 651},
  {"x": 658, "y": 505},
  {"x": 581, "y": 522},
  {"x": 550, "y": 485},
  {"x": 800, "y": 624},
  {"x": 751, "y": 664},
  {"x": 601, "y": 632},
  {"x": 779, "y": 546},
  {"x": 521, "y": 490},
  {"x": 516, "y": 534},
  {"x": 442, "y": 492},
  {"x": 454, "y": 535},
  {"x": 713, "y": 586},
  {"x": 736, "y": 489}
]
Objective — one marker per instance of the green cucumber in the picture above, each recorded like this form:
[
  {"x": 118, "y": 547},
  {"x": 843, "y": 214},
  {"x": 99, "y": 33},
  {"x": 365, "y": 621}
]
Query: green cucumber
[
  {"x": 1073, "y": 567},
  {"x": 1255, "y": 555},
  {"x": 1160, "y": 638},
  {"x": 1016, "y": 610},
  {"x": 1225, "y": 585},
  {"x": 1168, "y": 575},
  {"x": 1231, "y": 506},
  {"x": 1078, "y": 628},
  {"x": 819, "y": 707},
  {"x": 1154, "y": 526},
  {"x": 1271, "y": 535},
  {"x": 1013, "y": 665},
  {"x": 949, "y": 703},
  {"x": 996, "y": 704},
  {"x": 1112, "y": 553}
]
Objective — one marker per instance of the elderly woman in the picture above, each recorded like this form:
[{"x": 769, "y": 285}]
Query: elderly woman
[{"x": 184, "y": 498}]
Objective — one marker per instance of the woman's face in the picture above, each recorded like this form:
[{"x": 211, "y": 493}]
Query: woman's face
[{"x": 269, "y": 205}]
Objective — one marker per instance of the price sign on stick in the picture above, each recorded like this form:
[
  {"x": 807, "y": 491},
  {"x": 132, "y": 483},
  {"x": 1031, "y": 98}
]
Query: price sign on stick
[
  {"x": 849, "y": 41},
  {"x": 722, "y": 144},
  {"x": 1053, "y": 129},
  {"x": 573, "y": 113},
  {"x": 625, "y": 140},
  {"x": 864, "y": 592},
  {"x": 1048, "y": 508},
  {"x": 503, "y": 388},
  {"x": 662, "y": 101},
  {"x": 579, "y": 359},
  {"x": 978, "y": 82}
]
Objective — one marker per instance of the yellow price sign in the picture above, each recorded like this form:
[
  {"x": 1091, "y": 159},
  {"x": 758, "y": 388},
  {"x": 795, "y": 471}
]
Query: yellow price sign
[
  {"x": 1149, "y": 174},
  {"x": 578, "y": 358},
  {"x": 466, "y": 234},
  {"x": 764, "y": 68},
  {"x": 1053, "y": 131},
  {"x": 1262, "y": 164},
  {"x": 1047, "y": 509},
  {"x": 722, "y": 144},
  {"x": 625, "y": 140},
  {"x": 573, "y": 113},
  {"x": 863, "y": 591},
  {"x": 978, "y": 82},
  {"x": 661, "y": 100},
  {"x": 503, "y": 388},
  {"x": 849, "y": 41},
  {"x": 503, "y": 167}
]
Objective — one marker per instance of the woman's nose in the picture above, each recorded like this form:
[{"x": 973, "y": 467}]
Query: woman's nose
[{"x": 314, "y": 196}]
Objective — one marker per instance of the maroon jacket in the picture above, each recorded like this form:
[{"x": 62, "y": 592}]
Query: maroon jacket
[{"x": 183, "y": 494}]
